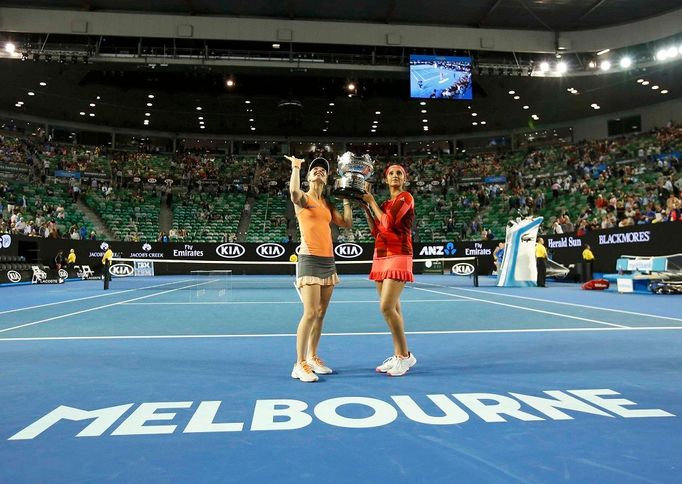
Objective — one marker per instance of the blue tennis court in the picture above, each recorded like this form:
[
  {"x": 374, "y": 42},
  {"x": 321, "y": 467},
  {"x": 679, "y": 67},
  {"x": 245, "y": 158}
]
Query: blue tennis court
[{"x": 166, "y": 381}]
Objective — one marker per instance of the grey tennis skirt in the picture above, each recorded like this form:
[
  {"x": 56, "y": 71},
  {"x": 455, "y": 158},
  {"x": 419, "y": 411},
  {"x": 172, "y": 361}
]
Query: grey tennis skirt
[{"x": 313, "y": 269}]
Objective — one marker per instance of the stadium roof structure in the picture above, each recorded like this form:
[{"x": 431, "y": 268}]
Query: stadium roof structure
[{"x": 291, "y": 63}]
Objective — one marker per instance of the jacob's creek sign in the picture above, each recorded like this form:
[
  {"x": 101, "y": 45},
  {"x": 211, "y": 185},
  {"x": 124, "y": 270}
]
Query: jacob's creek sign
[{"x": 292, "y": 414}]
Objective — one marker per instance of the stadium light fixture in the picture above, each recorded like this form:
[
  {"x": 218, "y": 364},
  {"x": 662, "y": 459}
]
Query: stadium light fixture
[
  {"x": 605, "y": 65},
  {"x": 655, "y": 87},
  {"x": 625, "y": 62},
  {"x": 229, "y": 83},
  {"x": 350, "y": 86},
  {"x": 31, "y": 93},
  {"x": 483, "y": 122},
  {"x": 639, "y": 81},
  {"x": 592, "y": 64},
  {"x": 517, "y": 97},
  {"x": 526, "y": 107},
  {"x": 331, "y": 104},
  {"x": 92, "y": 115},
  {"x": 92, "y": 105},
  {"x": 423, "y": 111},
  {"x": 512, "y": 92},
  {"x": 662, "y": 54},
  {"x": 147, "y": 114},
  {"x": 602, "y": 52},
  {"x": 645, "y": 83},
  {"x": 664, "y": 91},
  {"x": 474, "y": 114},
  {"x": 561, "y": 67},
  {"x": 82, "y": 113},
  {"x": 474, "y": 123},
  {"x": 672, "y": 52},
  {"x": 149, "y": 105},
  {"x": 43, "y": 83},
  {"x": 544, "y": 66},
  {"x": 10, "y": 48},
  {"x": 198, "y": 108},
  {"x": 423, "y": 103},
  {"x": 425, "y": 120},
  {"x": 150, "y": 96}
]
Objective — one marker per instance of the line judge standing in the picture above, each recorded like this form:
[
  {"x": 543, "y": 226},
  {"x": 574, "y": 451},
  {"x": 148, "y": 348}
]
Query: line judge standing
[
  {"x": 541, "y": 261},
  {"x": 315, "y": 270}
]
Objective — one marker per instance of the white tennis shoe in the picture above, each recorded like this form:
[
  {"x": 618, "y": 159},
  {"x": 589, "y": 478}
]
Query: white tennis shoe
[
  {"x": 318, "y": 365},
  {"x": 304, "y": 372},
  {"x": 386, "y": 365},
  {"x": 401, "y": 364}
]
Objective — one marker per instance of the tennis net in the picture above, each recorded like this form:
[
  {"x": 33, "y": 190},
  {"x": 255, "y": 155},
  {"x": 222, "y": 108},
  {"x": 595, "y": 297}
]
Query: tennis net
[{"x": 220, "y": 278}]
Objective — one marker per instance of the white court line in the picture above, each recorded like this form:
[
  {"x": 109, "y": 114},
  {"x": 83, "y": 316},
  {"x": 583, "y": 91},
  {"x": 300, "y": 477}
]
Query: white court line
[
  {"x": 559, "y": 302},
  {"x": 99, "y": 307},
  {"x": 524, "y": 308},
  {"x": 90, "y": 297},
  {"x": 293, "y": 335},
  {"x": 227, "y": 303}
]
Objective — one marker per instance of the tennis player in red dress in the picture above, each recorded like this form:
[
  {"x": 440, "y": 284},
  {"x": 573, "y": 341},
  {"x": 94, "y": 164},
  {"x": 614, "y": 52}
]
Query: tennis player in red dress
[{"x": 391, "y": 226}]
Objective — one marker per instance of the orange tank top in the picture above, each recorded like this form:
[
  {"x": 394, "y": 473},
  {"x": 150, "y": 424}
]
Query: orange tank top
[{"x": 316, "y": 234}]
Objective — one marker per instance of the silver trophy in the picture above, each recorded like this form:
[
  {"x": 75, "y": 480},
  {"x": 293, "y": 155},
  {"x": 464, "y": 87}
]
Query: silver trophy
[{"x": 354, "y": 172}]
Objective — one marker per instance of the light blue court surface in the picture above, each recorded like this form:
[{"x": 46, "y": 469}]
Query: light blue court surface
[{"x": 169, "y": 381}]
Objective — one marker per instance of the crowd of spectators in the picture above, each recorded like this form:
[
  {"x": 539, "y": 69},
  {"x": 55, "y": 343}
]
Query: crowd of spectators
[{"x": 621, "y": 181}]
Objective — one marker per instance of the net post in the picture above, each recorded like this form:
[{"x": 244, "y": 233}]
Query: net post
[{"x": 475, "y": 271}]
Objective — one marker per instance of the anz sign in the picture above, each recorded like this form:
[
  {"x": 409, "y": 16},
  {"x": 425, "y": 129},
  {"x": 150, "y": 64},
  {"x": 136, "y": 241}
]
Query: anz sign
[
  {"x": 270, "y": 250},
  {"x": 348, "y": 250},
  {"x": 230, "y": 251}
]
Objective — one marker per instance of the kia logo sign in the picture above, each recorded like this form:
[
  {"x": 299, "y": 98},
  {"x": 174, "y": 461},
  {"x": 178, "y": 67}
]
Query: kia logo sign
[
  {"x": 13, "y": 276},
  {"x": 348, "y": 250},
  {"x": 5, "y": 241},
  {"x": 230, "y": 251},
  {"x": 270, "y": 250},
  {"x": 63, "y": 274},
  {"x": 121, "y": 270},
  {"x": 462, "y": 269}
]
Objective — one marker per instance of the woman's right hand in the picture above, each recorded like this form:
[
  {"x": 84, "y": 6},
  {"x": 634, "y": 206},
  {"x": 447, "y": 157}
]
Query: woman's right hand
[{"x": 295, "y": 162}]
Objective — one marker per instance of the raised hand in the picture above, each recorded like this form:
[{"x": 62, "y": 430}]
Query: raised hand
[{"x": 295, "y": 162}]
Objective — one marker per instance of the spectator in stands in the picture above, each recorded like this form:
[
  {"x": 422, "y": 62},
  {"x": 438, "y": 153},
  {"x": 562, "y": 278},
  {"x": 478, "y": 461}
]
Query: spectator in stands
[
  {"x": 316, "y": 271},
  {"x": 391, "y": 226}
]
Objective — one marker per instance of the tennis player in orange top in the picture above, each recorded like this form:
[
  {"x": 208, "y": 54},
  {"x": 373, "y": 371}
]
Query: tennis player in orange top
[
  {"x": 391, "y": 226},
  {"x": 315, "y": 271}
]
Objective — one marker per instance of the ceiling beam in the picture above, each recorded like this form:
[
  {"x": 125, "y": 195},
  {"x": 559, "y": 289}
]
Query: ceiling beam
[
  {"x": 390, "y": 11},
  {"x": 191, "y": 8},
  {"x": 594, "y": 7},
  {"x": 494, "y": 4}
]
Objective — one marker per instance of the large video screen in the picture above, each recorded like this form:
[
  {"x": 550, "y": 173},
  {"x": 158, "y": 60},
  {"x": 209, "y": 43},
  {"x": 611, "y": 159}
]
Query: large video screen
[{"x": 440, "y": 77}]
